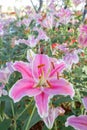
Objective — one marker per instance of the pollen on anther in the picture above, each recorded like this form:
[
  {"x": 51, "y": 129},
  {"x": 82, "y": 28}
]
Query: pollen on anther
[
  {"x": 57, "y": 75},
  {"x": 53, "y": 65},
  {"x": 49, "y": 84},
  {"x": 39, "y": 66}
]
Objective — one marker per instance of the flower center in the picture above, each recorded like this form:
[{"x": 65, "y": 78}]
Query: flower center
[{"x": 43, "y": 82}]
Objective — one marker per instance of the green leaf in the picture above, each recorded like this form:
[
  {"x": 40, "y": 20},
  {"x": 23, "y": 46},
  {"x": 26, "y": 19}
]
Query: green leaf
[
  {"x": 5, "y": 124},
  {"x": 85, "y": 69},
  {"x": 5, "y": 98},
  {"x": 45, "y": 128},
  {"x": 68, "y": 128},
  {"x": 61, "y": 99},
  {"x": 34, "y": 120},
  {"x": 2, "y": 106}
]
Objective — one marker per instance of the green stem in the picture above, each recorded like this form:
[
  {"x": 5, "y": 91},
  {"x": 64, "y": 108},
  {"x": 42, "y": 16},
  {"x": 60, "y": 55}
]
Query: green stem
[
  {"x": 2, "y": 107},
  {"x": 55, "y": 125},
  {"x": 82, "y": 111},
  {"x": 28, "y": 123},
  {"x": 11, "y": 102},
  {"x": 1, "y": 118},
  {"x": 14, "y": 124},
  {"x": 12, "y": 107},
  {"x": 13, "y": 113},
  {"x": 78, "y": 94},
  {"x": 33, "y": 6}
]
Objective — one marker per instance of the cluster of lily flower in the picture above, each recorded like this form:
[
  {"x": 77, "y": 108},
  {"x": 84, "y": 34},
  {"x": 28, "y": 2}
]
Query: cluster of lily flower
[{"x": 42, "y": 76}]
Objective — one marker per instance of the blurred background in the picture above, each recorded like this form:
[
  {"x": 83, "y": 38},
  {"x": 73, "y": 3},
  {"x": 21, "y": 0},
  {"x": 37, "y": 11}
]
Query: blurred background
[{"x": 9, "y": 5}]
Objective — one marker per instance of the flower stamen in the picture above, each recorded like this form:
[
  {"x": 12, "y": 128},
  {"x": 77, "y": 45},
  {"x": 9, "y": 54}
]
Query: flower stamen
[
  {"x": 40, "y": 66},
  {"x": 49, "y": 84}
]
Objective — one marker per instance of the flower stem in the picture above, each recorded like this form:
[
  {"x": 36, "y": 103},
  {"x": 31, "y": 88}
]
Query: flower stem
[
  {"x": 12, "y": 107},
  {"x": 55, "y": 125},
  {"x": 78, "y": 94},
  {"x": 11, "y": 102},
  {"x": 28, "y": 123}
]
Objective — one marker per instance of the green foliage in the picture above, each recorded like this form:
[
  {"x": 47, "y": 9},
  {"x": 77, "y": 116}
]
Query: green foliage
[{"x": 4, "y": 125}]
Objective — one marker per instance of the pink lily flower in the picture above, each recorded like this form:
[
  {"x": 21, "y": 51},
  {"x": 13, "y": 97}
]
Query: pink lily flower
[
  {"x": 51, "y": 6},
  {"x": 64, "y": 15},
  {"x": 82, "y": 39},
  {"x": 26, "y": 21},
  {"x": 71, "y": 58},
  {"x": 63, "y": 48},
  {"x": 4, "y": 76},
  {"x": 41, "y": 34},
  {"x": 52, "y": 115},
  {"x": 79, "y": 122},
  {"x": 48, "y": 22},
  {"x": 77, "y": 2},
  {"x": 31, "y": 41},
  {"x": 41, "y": 80}
]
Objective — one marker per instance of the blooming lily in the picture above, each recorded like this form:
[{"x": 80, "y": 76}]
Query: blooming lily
[
  {"x": 71, "y": 58},
  {"x": 64, "y": 15},
  {"x": 41, "y": 80}
]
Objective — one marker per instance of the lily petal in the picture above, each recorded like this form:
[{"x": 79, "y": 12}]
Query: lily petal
[
  {"x": 40, "y": 65},
  {"x": 23, "y": 87},
  {"x": 52, "y": 115},
  {"x": 79, "y": 123},
  {"x": 84, "y": 100},
  {"x": 42, "y": 101},
  {"x": 23, "y": 68},
  {"x": 60, "y": 87},
  {"x": 4, "y": 76},
  {"x": 58, "y": 68}
]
